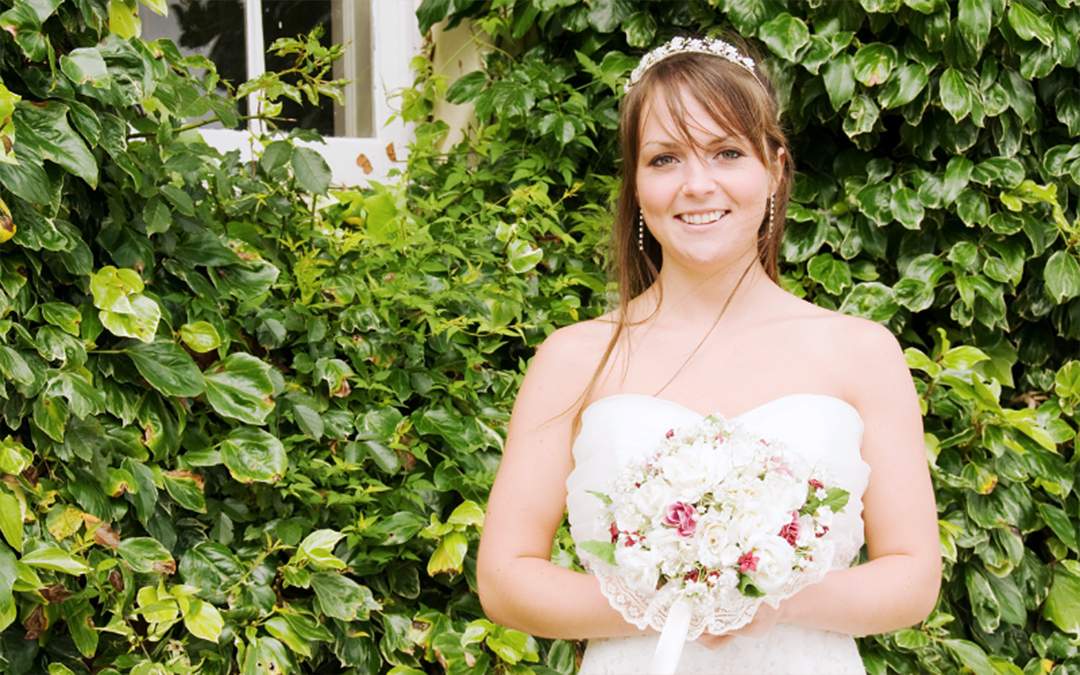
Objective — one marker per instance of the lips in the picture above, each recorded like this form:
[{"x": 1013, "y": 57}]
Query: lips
[{"x": 702, "y": 217}]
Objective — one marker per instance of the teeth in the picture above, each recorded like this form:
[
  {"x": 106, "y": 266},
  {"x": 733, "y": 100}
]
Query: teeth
[{"x": 701, "y": 218}]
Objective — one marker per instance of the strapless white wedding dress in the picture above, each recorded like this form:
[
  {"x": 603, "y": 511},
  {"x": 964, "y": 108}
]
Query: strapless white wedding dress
[{"x": 825, "y": 430}]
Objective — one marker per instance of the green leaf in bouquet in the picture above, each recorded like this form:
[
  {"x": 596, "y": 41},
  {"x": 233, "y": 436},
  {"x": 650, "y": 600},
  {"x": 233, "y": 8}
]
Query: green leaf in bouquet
[
  {"x": 604, "y": 550},
  {"x": 747, "y": 587},
  {"x": 601, "y": 496}
]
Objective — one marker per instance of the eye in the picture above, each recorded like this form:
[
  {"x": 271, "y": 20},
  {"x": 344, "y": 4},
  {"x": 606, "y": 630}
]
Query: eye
[
  {"x": 729, "y": 153},
  {"x": 661, "y": 160}
]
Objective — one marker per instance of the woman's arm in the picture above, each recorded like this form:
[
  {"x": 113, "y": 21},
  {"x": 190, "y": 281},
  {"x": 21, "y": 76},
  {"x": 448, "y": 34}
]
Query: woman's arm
[
  {"x": 518, "y": 585},
  {"x": 899, "y": 585}
]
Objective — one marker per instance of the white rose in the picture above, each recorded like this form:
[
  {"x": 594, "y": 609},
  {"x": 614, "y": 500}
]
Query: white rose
[
  {"x": 713, "y": 539},
  {"x": 774, "y": 566},
  {"x": 637, "y": 566},
  {"x": 651, "y": 498},
  {"x": 688, "y": 481}
]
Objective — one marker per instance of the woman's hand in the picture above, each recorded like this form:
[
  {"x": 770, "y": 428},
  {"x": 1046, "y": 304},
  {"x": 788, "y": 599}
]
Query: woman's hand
[{"x": 763, "y": 621}]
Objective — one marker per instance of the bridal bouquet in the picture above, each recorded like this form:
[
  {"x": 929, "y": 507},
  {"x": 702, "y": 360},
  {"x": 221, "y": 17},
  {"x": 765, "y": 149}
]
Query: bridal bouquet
[{"x": 704, "y": 529}]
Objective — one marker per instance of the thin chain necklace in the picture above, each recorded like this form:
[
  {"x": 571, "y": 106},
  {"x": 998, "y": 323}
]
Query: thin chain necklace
[{"x": 708, "y": 332}]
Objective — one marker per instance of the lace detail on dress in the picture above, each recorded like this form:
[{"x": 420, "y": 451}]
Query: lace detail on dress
[{"x": 721, "y": 611}]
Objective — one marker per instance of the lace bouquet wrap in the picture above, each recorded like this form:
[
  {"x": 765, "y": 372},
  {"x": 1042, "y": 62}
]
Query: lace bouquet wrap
[{"x": 704, "y": 529}]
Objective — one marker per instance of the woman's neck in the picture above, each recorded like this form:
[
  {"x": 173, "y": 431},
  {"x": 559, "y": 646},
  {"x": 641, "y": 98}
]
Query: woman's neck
[{"x": 693, "y": 298}]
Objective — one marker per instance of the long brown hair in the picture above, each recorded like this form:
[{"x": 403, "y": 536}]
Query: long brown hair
[{"x": 742, "y": 104}]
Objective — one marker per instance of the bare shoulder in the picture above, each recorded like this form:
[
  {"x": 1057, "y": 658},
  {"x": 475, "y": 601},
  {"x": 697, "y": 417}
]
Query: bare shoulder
[
  {"x": 871, "y": 359},
  {"x": 564, "y": 363},
  {"x": 578, "y": 344}
]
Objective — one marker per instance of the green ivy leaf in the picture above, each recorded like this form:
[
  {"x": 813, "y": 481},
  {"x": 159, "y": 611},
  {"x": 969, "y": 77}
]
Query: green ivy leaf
[
  {"x": 146, "y": 555},
  {"x": 14, "y": 456},
  {"x": 956, "y": 96},
  {"x": 640, "y": 29},
  {"x": 1062, "y": 276},
  {"x": 85, "y": 66},
  {"x": 55, "y": 559},
  {"x": 124, "y": 19},
  {"x": 167, "y": 368},
  {"x": 785, "y": 35},
  {"x": 298, "y": 632},
  {"x": 902, "y": 88},
  {"x": 1029, "y": 25},
  {"x": 833, "y": 274},
  {"x": 200, "y": 618},
  {"x": 253, "y": 455},
  {"x": 240, "y": 387},
  {"x": 200, "y": 336},
  {"x": 874, "y": 62},
  {"x": 449, "y": 555},
  {"x": 63, "y": 316},
  {"x": 906, "y": 208},
  {"x": 311, "y": 170},
  {"x": 318, "y": 549},
  {"x": 871, "y": 300},
  {"x": 839, "y": 79},
  {"x": 342, "y": 598},
  {"x": 45, "y": 130},
  {"x": 1062, "y": 605},
  {"x": 974, "y": 18},
  {"x": 969, "y": 654},
  {"x": 523, "y": 256},
  {"x": 11, "y": 519}
]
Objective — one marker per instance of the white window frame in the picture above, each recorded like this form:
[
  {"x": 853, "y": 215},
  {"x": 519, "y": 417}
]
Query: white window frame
[{"x": 395, "y": 40}]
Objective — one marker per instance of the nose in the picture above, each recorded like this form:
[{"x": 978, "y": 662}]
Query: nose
[{"x": 698, "y": 178}]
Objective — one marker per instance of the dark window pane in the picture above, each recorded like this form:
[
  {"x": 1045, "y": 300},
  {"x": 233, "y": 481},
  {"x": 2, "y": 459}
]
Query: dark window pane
[
  {"x": 290, "y": 18},
  {"x": 211, "y": 28}
]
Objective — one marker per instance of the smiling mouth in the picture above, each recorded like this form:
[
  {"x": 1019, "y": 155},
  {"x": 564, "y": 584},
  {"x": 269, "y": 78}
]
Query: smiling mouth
[{"x": 701, "y": 218}]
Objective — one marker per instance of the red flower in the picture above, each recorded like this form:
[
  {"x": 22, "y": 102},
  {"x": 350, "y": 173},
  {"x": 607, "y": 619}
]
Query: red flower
[
  {"x": 614, "y": 532},
  {"x": 670, "y": 433},
  {"x": 816, "y": 484},
  {"x": 824, "y": 531},
  {"x": 681, "y": 515},
  {"x": 692, "y": 575},
  {"x": 748, "y": 562},
  {"x": 790, "y": 532}
]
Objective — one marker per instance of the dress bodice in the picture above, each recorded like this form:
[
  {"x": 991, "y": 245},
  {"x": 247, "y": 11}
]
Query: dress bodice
[{"x": 825, "y": 431}]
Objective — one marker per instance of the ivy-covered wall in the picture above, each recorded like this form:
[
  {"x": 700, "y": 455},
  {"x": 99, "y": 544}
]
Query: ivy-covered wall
[{"x": 249, "y": 422}]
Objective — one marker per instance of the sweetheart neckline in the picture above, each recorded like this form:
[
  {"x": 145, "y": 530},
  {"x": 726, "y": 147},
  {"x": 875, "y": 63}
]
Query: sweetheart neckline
[{"x": 745, "y": 413}]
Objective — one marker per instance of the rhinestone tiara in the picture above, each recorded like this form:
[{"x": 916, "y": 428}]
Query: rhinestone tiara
[{"x": 684, "y": 45}]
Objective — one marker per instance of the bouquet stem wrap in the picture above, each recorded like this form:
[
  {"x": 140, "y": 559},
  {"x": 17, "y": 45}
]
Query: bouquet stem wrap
[{"x": 672, "y": 639}]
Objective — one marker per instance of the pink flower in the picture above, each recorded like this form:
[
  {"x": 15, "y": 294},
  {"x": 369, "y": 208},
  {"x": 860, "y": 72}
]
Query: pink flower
[
  {"x": 790, "y": 532},
  {"x": 670, "y": 433},
  {"x": 614, "y": 532},
  {"x": 816, "y": 484},
  {"x": 748, "y": 562},
  {"x": 681, "y": 516},
  {"x": 824, "y": 531}
]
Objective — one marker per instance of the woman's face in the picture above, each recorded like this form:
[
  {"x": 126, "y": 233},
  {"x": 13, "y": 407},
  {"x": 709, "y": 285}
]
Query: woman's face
[{"x": 705, "y": 201}]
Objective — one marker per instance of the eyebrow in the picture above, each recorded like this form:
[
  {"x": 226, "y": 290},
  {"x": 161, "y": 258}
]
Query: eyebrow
[{"x": 666, "y": 145}]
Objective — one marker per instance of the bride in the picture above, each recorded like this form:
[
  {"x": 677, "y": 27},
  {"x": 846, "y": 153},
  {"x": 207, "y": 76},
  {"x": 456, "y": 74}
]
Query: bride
[{"x": 703, "y": 327}]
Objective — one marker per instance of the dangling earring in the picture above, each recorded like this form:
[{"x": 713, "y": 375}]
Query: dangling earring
[
  {"x": 772, "y": 214},
  {"x": 640, "y": 231}
]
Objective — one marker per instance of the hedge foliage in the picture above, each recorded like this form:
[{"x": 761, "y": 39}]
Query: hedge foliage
[{"x": 250, "y": 422}]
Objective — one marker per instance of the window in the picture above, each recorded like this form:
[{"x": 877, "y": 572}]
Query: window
[{"x": 380, "y": 36}]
